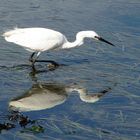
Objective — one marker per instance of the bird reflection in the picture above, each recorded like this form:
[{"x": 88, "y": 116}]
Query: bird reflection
[{"x": 47, "y": 95}]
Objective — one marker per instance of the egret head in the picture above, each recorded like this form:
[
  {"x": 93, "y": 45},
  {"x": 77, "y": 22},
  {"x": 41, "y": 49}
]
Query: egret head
[{"x": 94, "y": 35}]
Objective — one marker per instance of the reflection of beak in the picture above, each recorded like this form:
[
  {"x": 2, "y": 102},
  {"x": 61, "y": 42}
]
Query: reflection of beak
[{"x": 103, "y": 40}]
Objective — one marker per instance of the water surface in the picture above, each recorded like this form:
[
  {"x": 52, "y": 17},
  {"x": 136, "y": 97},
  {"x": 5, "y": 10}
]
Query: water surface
[{"x": 94, "y": 66}]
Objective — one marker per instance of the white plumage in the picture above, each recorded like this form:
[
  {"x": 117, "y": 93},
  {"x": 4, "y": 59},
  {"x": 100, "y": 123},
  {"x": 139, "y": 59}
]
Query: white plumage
[{"x": 35, "y": 39}]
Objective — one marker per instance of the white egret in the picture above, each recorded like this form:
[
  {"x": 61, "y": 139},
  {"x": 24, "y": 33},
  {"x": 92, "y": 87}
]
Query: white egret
[{"x": 37, "y": 40}]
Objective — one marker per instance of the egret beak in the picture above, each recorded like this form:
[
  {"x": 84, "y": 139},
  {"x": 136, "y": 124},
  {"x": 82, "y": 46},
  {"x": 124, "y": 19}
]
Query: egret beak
[{"x": 103, "y": 40}]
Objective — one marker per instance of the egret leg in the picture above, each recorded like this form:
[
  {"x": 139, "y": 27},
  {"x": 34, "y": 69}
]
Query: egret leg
[
  {"x": 52, "y": 64},
  {"x": 32, "y": 60},
  {"x": 31, "y": 57}
]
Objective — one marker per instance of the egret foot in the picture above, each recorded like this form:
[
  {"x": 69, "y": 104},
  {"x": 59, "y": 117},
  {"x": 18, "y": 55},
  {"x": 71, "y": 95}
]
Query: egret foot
[{"x": 52, "y": 66}]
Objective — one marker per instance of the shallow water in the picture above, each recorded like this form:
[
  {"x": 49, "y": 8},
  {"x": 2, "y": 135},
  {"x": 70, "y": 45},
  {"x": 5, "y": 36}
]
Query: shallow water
[{"x": 93, "y": 66}]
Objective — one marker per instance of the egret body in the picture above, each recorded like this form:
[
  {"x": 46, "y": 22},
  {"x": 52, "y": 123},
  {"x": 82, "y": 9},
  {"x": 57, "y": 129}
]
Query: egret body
[{"x": 37, "y": 40}]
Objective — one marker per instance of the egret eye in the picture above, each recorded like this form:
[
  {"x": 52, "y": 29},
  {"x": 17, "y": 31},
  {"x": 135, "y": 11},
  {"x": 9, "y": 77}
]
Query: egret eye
[{"x": 96, "y": 37}]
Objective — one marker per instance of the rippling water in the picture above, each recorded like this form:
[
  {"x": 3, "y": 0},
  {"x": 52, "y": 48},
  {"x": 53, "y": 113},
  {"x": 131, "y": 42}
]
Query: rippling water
[{"x": 93, "y": 67}]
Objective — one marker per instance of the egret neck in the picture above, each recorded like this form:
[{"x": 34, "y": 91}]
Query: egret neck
[{"x": 79, "y": 39}]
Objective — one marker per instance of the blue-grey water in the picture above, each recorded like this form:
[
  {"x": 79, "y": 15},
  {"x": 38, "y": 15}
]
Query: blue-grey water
[{"x": 94, "y": 66}]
